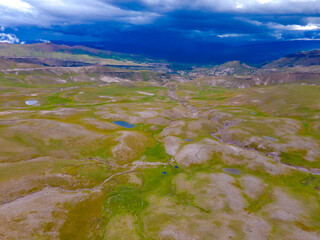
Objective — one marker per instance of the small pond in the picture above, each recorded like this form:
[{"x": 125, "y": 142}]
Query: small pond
[
  {"x": 124, "y": 124},
  {"x": 232, "y": 171},
  {"x": 188, "y": 140},
  {"x": 31, "y": 102},
  {"x": 271, "y": 139}
]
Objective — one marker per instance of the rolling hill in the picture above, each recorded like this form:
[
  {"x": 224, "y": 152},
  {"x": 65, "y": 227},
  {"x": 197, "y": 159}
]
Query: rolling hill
[
  {"x": 70, "y": 53},
  {"x": 301, "y": 59},
  {"x": 100, "y": 152}
]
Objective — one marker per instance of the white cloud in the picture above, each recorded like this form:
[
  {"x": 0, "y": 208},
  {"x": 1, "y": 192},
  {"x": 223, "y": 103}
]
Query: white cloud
[
  {"x": 2, "y": 28},
  {"x": 46, "y": 13},
  {"x": 231, "y": 35},
  {"x": 246, "y": 6},
  {"x": 304, "y": 39},
  {"x": 309, "y": 27},
  {"x": 142, "y": 19},
  {"x": 16, "y": 4},
  {"x": 239, "y": 6},
  {"x": 265, "y": 1},
  {"x": 277, "y": 36},
  {"x": 9, "y": 38},
  {"x": 67, "y": 12},
  {"x": 43, "y": 40},
  {"x": 294, "y": 27}
]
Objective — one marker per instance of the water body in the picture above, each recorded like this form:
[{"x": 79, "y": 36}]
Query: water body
[
  {"x": 232, "y": 171},
  {"x": 31, "y": 102},
  {"x": 188, "y": 140},
  {"x": 253, "y": 113},
  {"x": 271, "y": 139},
  {"x": 124, "y": 124}
]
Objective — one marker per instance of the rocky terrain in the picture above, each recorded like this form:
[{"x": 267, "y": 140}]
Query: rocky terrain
[{"x": 101, "y": 152}]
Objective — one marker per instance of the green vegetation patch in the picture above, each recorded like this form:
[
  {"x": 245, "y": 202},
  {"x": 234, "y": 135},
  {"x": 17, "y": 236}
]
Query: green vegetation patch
[
  {"x": 126, "y": 199},
  {"x": 82, "y": 219},
  {"x": 156, "y": 153},
  {"x": 263, "y": 200},
  {"x": 297, "y": 158}
]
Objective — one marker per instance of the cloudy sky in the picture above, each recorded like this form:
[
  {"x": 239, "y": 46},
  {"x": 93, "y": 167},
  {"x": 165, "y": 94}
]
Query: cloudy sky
[{"x": 159, "y": 23}]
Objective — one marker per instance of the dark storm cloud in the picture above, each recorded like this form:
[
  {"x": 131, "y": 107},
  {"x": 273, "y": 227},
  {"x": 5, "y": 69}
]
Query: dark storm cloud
[
  {"x": 207, "y": 19},
  {"x": 162, "y": 27}
]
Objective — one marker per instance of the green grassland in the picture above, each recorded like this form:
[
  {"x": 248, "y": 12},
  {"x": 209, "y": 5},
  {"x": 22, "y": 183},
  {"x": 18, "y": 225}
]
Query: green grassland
[{"x": 148, "y": 182}]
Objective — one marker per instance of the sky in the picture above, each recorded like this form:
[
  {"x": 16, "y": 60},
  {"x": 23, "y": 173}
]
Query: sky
[{"x": 161, "y": 27}]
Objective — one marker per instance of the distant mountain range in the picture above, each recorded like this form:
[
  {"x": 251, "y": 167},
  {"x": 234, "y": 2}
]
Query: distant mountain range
[
  {"x": 54, "y": 55},
  {"x": 69, "y": 53},
  {"x": 47, "y": 62},
  {"x": 254, "y": 53}
]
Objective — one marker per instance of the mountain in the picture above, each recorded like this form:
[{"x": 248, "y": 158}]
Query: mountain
[
  {"x": 54, "y": 55},
  {"x": 69, "y": 53},
  {"x": 46, "y": 56},
  {"x": 235, "y": 67},
  {"x": 226, "y": 69},
  {"x": 304, "y": 59},
  {"x": 206, "y": 52}
]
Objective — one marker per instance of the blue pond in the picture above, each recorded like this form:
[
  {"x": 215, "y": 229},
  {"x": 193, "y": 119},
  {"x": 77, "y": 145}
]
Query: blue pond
[
  {"x": 165, "y": 173},
  {"x": 177, "y": 167},
  {"x": 188, "y": 140},
  {"x": 124, "y": 124},
  {"x": 232, "y": 171},
  {"x": 31, "y": 102}
]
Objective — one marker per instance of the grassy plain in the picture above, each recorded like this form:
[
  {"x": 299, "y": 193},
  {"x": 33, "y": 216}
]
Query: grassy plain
[{"x": 68, "y": 172}]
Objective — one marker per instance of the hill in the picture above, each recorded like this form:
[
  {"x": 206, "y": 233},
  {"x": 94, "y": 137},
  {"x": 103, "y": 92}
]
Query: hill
[
  {"x": 70, "y": 53},
  {"x": 304, "y": 59}
]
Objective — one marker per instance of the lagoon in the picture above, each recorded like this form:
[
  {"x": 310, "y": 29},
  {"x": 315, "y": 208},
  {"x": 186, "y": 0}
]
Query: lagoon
[{"x": 124, "y": 124}]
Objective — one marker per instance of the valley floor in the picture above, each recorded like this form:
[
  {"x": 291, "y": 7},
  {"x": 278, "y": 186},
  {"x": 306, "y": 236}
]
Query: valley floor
[{"x": 200, "y": 162}]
